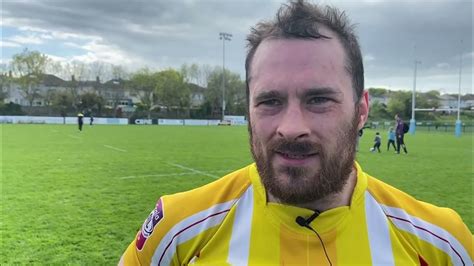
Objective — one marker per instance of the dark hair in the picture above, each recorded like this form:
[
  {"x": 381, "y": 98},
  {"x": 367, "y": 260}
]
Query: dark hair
[{"x": 302, "y": 20}]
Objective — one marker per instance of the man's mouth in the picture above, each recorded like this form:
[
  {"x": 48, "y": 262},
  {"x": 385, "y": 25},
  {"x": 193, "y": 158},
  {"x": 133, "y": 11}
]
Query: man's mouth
[{"x": 295, "y": 156}]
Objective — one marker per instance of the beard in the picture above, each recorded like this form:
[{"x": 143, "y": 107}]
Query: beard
[{"x": 300, "y": 185}]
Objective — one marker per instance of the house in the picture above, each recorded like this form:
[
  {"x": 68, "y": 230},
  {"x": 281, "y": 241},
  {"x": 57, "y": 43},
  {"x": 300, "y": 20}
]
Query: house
[
  {"x": 447, "y": 101},
  {"x": 197, "y": 94},
  {"x": 115, "y": 92}
]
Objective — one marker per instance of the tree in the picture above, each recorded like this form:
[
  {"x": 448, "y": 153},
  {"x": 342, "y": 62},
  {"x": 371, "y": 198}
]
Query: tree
[
  {"x": 97, "y": 69},
  {"x": 378, "y": 111},
  {"x": 91, "y": 102},
  {"x": 143, "y": 82},
  {"x": 77, "y": 72},
  {"x": 48, "y": 97},
  {"x": 119, "y": 72},
  {"x": 30, "y": 67},
  {"x": 196, "y": 74},
  {"x": 54, "y": 67},
  {"x": 62, "y": 102},
  {"x": 5, "y": 83},
  {"x": 400, "y": 103},
  {"x": 431, "y": 99},
  {"x": 377, "y": 92},
  {"x": 235, "y": 97},
  {"x": 171, "y": 90}
]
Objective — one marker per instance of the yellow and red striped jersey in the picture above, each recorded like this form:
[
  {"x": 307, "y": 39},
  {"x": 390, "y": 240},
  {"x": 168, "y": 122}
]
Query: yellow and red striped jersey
[{"x": 230, "y": 222}]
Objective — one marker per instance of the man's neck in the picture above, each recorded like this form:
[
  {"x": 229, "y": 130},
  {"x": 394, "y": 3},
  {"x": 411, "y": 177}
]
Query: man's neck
[{"x": 331, "y": 201}]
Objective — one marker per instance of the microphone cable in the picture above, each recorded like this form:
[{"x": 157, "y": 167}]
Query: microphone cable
[{"x": 304, "y": 223}]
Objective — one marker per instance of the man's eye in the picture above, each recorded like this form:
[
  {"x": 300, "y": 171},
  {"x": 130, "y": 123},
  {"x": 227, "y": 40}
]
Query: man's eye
[
  {"x": 318, "y": 100},
  {"x": 270, "y": 102}
]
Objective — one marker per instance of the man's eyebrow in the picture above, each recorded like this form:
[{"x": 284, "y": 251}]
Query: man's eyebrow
[
  {"x": 264, "y": 95},
  {"x": 321, "y": 91}
]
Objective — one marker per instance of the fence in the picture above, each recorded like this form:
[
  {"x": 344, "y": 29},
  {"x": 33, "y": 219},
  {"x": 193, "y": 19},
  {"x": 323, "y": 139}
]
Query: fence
[
  {"x": 429, "y": 126},
  {"x": 60, "y": 120}
]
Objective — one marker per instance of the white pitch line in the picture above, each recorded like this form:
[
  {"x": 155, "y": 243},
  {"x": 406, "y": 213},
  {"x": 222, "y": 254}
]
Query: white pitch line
[
  {"x": 171, "y": 174},
  {"x": 156, "y": 175},
  {"x": 193, "y": 170},
  {"x": 114, "y": 148},
  {"x": 75, "y": 137}
]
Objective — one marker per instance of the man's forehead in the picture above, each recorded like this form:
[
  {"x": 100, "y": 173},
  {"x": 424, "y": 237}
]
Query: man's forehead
[
  {"x": 280, "y": 61},
  {"x": 297, "y": 51}
]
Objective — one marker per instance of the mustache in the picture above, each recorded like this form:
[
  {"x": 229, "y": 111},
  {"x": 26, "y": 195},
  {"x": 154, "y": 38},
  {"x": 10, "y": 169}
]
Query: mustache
[{"x": 294, "y": 147}]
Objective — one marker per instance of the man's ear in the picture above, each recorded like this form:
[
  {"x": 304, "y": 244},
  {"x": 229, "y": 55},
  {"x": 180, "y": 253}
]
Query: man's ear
[{"x": 363, "y": 105}]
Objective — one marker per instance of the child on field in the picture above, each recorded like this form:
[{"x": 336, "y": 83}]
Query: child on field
[
  {"x": 377, "y": 142},
  {"x": 391, "y": 139}
]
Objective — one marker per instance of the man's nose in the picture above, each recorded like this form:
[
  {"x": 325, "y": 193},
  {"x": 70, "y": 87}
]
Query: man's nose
[{"x": 293, "y": 125}]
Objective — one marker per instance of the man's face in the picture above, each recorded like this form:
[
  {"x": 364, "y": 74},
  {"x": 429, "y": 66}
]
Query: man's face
[{"x": 303, "y": 119}]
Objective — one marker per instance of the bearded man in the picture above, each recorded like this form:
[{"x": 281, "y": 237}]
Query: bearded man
[{"x": 305, "y": 200}]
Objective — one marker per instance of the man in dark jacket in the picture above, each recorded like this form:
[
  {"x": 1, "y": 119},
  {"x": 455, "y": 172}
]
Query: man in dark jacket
[
  {"x": 80, "y": 120},
  {"x": 400, "y": 131}
]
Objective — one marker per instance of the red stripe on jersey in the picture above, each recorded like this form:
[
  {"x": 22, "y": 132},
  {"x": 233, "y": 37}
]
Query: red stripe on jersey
[
  {"x": 428, "y": 231},
  {"x": 422, "y": 261},
  {"x": 198, "y": 222}
]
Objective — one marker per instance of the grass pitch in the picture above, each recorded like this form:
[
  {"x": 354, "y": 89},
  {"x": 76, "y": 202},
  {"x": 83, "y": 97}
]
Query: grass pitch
[{"x": 79, "y": 198}]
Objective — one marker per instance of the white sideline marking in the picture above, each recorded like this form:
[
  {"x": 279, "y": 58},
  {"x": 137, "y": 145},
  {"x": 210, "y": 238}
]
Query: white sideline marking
[
  {"x": 171, "y": 174},
  {"x": 155, "y": 175},
  {"x": 75, "y": 137},
  {"x": 114, "y": 148},
  {"x": 193, "y": 170}
]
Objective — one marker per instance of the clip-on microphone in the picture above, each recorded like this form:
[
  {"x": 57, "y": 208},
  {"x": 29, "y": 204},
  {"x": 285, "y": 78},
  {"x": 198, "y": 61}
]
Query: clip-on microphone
[{"x": 306, "y": 222}]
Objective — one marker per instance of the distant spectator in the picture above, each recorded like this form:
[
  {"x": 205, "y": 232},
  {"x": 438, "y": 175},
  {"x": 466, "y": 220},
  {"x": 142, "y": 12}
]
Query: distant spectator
[
  {"x": 391, "y": 139},
  {"x": 377, "y": 142},
  {"x": 91, "y": 120},
  {"x": 400, "y": 132},
  {"x": 80, "y": 120}
]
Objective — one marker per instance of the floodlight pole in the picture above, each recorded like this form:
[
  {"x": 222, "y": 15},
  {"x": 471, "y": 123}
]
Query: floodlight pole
[
  {"x": 224, "y": 37},
  {"x": 457, "y": 130},
  {"x": 412, "y": 120}
]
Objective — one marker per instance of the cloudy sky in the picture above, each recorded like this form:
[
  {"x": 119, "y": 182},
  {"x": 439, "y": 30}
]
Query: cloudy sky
[{"x": 165, "y": 33}]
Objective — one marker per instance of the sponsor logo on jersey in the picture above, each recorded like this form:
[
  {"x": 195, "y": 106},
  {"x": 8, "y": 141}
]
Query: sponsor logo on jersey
[{"x": 149, "y": 225}]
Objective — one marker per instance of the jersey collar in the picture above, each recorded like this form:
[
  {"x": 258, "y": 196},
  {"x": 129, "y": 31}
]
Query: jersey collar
[{"x": 286, "y": 214}]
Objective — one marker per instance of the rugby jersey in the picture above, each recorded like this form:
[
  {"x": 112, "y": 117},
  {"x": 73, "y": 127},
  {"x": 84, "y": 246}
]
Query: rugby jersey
[{"x": 230, "y": 222}]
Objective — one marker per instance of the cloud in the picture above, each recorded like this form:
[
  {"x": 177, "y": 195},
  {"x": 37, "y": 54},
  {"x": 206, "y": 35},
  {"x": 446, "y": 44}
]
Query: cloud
[
  {"x": 443, "y": 65},
  {"x": 56, "y": 58},
  {"x": 8, "y": 44},
  {"x": 161, "y": 33},
  {"x": 26, "y": 39},
  {"x": 368, "y": 58},
  {"x": 468, "y": 55},
  {"x": 99, "y": 51},
  {"x": 28, "y": 28}
]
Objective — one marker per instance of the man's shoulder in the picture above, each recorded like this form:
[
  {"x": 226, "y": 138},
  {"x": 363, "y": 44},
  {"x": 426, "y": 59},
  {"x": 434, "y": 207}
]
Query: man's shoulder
[
  {"x": 394, "y": 198},
  {"x": 224, "y": 189},
  {"x": 186, "y": 216},
  {"x": 421, "y": 219}
]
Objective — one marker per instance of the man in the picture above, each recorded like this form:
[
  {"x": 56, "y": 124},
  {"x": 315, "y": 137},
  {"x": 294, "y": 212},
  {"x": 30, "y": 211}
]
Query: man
[
  {"x": 305, "y": 201},
  {"x": 80, "y": 120},
  {"x": 400, "y": 132}
]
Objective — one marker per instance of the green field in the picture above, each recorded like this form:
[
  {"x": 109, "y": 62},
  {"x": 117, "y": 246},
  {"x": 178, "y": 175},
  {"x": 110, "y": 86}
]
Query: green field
[{"x": 79, "y": 198}]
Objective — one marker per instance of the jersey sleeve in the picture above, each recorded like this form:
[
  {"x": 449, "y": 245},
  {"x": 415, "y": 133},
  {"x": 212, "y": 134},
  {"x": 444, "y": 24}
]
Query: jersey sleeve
[
  {"x": 438, "y": 234},
  {"x": 156, "y": 242},
  {"x": 181, "y": 224}
]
